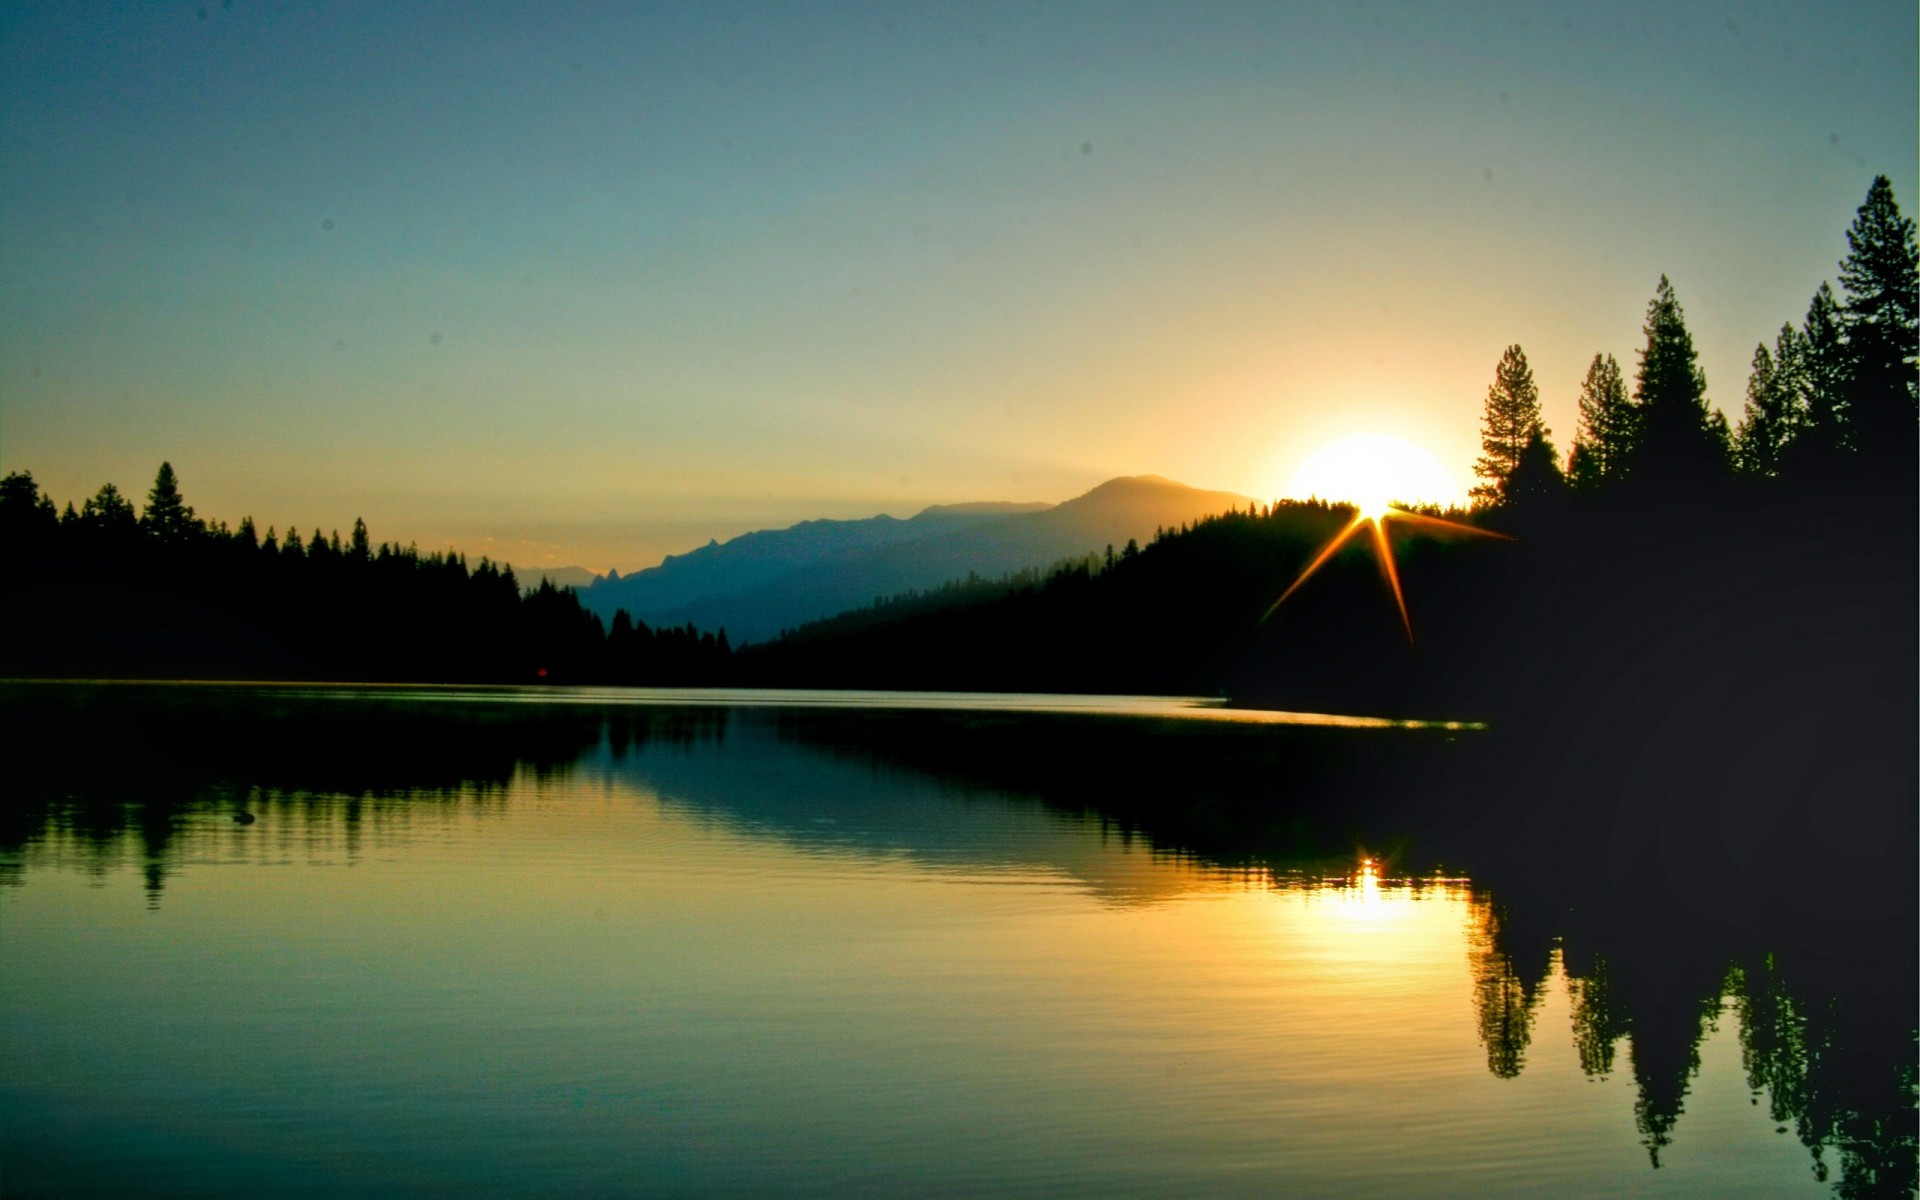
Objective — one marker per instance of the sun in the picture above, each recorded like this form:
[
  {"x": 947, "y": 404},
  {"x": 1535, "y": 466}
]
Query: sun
[
  {"x": 1377, "y": 475},
  {"x": 1373, "y": 472}
]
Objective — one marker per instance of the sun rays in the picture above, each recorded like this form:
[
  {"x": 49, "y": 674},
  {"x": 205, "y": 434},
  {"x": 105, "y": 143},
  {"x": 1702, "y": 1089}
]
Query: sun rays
[{"x": 1375, "y": 518}]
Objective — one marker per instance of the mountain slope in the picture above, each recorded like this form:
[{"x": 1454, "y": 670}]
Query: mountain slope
[
  {"x": 756, "y": 560},
  {"x": 805, "y": 577}
]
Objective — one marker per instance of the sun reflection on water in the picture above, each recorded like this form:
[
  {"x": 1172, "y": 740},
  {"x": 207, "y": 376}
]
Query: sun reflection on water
[{"x": 1367, "y": 891}]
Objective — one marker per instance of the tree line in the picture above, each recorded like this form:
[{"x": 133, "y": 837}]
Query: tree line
[
  {"x": 108, "y": 589},
  {"x": 1728, "y": 534},
  {"x": 1833, "y": 396},
  {"x": 1672, "y": 553}
]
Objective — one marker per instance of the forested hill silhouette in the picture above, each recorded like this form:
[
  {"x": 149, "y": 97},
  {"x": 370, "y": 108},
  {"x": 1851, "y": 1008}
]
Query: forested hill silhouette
[
  {"x": 761, "y": 583},
  {"x": 1686, "y": 605},
  {"x": 1681, "y": 584},
  {"x": 105, "y": 591}
]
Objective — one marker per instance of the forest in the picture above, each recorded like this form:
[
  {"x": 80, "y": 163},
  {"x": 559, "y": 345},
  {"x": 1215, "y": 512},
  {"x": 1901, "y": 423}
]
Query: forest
[
  {"x": 1748, "y": 565},
  {"x": 103, "y": 591},
  {"x": 1763, "y": 569},
  {"x": 1694, "y": 640}
]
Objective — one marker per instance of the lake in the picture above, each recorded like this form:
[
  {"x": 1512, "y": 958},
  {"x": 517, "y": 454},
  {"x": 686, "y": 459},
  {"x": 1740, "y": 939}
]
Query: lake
[{"x": 423, "y": 942}]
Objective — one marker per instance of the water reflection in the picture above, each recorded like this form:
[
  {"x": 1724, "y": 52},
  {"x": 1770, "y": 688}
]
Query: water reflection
[{"x": 1650, "y": 961}]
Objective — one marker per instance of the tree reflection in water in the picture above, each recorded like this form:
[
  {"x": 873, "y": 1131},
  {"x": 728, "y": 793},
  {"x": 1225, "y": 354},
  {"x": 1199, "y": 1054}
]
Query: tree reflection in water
[{"x": 1822, "y": 986}]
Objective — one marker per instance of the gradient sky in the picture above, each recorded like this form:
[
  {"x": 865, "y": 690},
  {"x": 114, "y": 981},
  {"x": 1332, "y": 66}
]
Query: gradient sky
[{"x": 574, "y": 282}]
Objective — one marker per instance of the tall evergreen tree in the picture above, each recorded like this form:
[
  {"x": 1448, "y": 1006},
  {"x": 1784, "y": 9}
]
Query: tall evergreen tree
[
  {"x": 168, "y": 519},
  {"x": 1790, "y": 377},
  {"x": 1676, "y": 438},
  {"x": 1511, "y": 420},
  {"x": 1823, "y": 433},
  {"x": 1536, "y": 480},
  {"x": 1881, "y": 324},
  {"x": 108, "y": 514},
  {"x": 1769, "y": 419},
  {"x": 1606, "y": 424},
  {"x": 1583, "y": 469}
]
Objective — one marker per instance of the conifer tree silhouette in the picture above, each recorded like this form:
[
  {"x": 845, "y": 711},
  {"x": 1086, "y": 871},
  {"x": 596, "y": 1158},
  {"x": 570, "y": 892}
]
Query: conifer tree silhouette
[
  {"x": 168, "y": 519},
  {"x": 1606, "y": 426},
  {"x": 1510, "y": 420},
  {"x": 1881, "y": 325},
  {"x": 1677, "y": 438}
]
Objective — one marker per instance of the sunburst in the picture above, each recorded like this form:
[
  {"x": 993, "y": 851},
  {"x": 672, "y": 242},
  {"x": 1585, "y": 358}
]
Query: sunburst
[{"x": 1374, "y": 516}]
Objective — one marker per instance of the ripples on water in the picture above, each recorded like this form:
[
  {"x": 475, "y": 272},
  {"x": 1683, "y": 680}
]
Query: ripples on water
[{"x": 479, "y": 943}]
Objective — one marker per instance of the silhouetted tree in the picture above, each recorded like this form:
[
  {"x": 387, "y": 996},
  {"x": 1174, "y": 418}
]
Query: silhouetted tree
[
  {"x": 1606, "y": 426},
  {"x": 1822, "y": 436},
  {"x": 1882, "y": 326},
  {"x": 1583, "y": 469},
  {"x": 108, "y": 515},
  {"x": 168, "y": 519},
  {"x": 1769, "y": 420},
  {"x": 1511, "y": 418},
  {"x": 1677, "y": 438},
  {"x": 1536, "y": 484},
  {"x": 24, "y": 512}
]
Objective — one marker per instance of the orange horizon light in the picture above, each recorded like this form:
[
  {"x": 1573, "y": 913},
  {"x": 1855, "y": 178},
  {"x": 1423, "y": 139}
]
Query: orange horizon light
[{"x": 1377, "y": 519}]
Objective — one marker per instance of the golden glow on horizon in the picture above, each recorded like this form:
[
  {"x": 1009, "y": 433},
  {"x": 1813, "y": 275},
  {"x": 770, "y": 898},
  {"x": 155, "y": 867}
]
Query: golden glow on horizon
[
  {"x": 1383, "y": 552},
  {"x": 1373, "y": 472}
]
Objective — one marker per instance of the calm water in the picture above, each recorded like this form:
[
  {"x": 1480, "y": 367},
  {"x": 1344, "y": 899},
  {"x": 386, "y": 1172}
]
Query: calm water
[{"x": 475, "y": 942}]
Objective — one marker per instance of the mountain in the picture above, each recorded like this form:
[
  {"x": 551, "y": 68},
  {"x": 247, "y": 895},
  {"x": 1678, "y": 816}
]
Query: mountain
[
  {"x": 756, "y": 560},
  {"x": 760, "y": 583}
]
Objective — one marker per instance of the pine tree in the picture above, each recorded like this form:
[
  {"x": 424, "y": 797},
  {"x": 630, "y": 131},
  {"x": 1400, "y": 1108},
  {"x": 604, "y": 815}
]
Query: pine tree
[
  {"x": 1583, "y": 469},
  {"x": 1536, "y": 478},
  {"x": 1823, "y": 435},
  {"x": 108, "y": 514},
  {"x": 1881, "y": 325},
  {"x": 1511, "y": 420},
  {"x": 1676, "y": 439},
  {"x": 1769, "y": 419},
  {"x": 1790, "y": 377},
  {"x": 168, "y": 519},
  {"x": 1606, "y": 424}
]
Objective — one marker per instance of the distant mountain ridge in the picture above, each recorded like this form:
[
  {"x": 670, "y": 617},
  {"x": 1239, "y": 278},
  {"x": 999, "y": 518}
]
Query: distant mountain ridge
[{"x": 760, "y": 583}]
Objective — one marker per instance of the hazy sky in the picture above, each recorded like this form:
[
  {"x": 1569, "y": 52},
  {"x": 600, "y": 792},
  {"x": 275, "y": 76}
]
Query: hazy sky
[{"x": 572, "y": 282}]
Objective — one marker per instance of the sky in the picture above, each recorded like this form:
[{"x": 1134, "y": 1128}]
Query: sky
[{"x": 580, "y": 283}]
